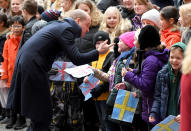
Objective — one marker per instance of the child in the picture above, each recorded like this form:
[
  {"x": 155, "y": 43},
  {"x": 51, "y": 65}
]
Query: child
[
  {"x": 10, "y": 52},
  {"x": 167, "y": 88},
  {"x": 140, "y": 7},
  {"x": 144, "y": 78},
  {"x": 101, "y": 92},
  {"x": 126, "y": 48},
  {"x": 185, "y": 21},
  {"x": 4, "y": 29},
  {"x": 169, "y": 32},
  {"x": 113, "y": 23},
  {"x": 151, "y": 17}
]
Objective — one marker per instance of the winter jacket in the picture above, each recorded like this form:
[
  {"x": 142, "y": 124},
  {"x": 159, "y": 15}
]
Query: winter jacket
[
  {"x": 161, "y": 95},
  {"x": 29, "y": 93},
  {"x": 145, "y": 81},
  {"x": 9, "y": 54},
  {"x": 137, "y": 22},
  {"x": 85, "y": 44},
  {"x": 104, "y": 4},
  {"x": 27, "y": 31},
  {"x": 170, "y": 37},
  {"x": 185, "y": 102},
  {"x": 105, "y": 67},
  {"x": 2, "y": 42},
  {"x": 162, "y": 3},
  {"x": 126, "y": 13}
]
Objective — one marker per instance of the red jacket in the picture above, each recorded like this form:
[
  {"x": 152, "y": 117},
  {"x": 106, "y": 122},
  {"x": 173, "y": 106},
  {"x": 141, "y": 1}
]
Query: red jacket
[
  {"x": 185, "y": 107},
  {"x": 170, "y": 37},
  {"x": 9, "y": 55}
]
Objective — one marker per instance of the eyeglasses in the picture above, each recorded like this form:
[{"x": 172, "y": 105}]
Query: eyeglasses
[{"x": 17, "y": 26}]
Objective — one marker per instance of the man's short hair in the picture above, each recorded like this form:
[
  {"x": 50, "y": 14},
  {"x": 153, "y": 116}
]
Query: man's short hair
[
  {"x": 30, "y": 6},
  {"x": 78, "y": 13}
]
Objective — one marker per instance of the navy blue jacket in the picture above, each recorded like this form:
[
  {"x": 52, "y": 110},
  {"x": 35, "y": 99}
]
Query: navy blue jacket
[
  {"x": 30, "y": 93},
  {"x": 160, "y": 104}
]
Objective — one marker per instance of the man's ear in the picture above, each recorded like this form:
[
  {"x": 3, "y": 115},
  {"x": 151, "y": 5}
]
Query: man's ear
[{"x": 77, "y": 20}]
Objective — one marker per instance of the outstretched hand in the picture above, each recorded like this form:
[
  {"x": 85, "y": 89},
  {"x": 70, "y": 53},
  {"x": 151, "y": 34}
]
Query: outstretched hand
[{"x": 104, "y": 47}]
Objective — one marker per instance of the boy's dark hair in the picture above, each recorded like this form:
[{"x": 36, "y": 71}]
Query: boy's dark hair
[
  {"x": 170, "y": 12},
  {"x": 30, "y": 6},
  {"x": 18, "y": 19},
  {"x": 3, "y": 18}
]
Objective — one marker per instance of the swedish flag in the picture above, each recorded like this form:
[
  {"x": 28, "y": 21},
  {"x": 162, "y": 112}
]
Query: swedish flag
[
  {"x": 125, "y": 106},
  {"x": 168, "y": 124}
]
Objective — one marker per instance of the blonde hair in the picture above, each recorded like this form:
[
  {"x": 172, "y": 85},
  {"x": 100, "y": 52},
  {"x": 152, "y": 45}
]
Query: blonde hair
[
  {"x": 56, "y": 5},
  {"x": 185, "y": 10},
  {"x": 122, "y": 26},
  {"x": 95, "y": 14},
  {"x": 186, "y": 64}
]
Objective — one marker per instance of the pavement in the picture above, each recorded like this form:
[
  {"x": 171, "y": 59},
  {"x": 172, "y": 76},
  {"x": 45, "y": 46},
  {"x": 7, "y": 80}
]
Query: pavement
[{"x": 2, "y": 128}]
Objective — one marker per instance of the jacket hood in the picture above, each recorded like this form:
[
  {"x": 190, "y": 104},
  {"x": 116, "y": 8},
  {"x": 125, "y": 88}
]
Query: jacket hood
[
  {"x": 76, "y": 28},
  {"x": 170, "y": 32},
  {"x": 181, "y": 45},
  {"x": 162, "y": 56}
]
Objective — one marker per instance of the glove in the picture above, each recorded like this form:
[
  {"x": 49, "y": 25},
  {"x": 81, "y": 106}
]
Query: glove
[
  {"x": 53, "y": 71},
  {"x": 97, "y": 91}
]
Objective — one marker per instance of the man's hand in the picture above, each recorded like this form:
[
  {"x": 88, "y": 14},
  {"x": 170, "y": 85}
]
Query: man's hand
[{"x": 104, "y": 47}]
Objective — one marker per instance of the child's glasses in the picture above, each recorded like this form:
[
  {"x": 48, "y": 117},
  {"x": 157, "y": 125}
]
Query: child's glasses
[{"x": 17, "y": 26}]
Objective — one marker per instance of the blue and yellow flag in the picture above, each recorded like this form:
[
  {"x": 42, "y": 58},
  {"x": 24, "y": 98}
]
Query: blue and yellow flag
[
  {"x": 125, "y": 106},
  {"x": 168, "y": 124}
]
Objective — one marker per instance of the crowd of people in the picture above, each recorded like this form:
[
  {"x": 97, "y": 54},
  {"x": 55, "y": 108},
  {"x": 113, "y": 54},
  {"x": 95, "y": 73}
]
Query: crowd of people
[{"x": 142, "y": 46}]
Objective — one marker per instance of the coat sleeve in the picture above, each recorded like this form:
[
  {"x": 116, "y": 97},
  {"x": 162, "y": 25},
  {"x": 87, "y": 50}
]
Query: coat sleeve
[
  {"x": 66, "y": 41},
  {"x": 155, "y": 110},
  {"x": 146, "y": 79},
  {"x": 101, "y": 75},
  {"x": 5, "y": 62}
]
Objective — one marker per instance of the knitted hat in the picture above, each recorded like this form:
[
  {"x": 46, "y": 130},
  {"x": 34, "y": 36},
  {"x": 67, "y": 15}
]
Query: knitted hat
[
  {"x": 40, "y": 9},
  {"x": 149, "y": 37},
  {"x": 50, "y": 15},
  {"x": 101, "y": 36},
  {"x": 152, "y": 15},
  {"x": 128, "y": 38}
]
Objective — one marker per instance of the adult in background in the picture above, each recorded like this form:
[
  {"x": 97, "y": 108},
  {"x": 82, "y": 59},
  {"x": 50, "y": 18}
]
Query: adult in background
[
  {"x": 126, "y": 9},
  {"x": 30, "y": 88},
  {"x": 185, "y": 91},
  {"x": 162, "y": 3},
  {"x": 29, "y": 10},
  {"x": 104, "y": 4}
]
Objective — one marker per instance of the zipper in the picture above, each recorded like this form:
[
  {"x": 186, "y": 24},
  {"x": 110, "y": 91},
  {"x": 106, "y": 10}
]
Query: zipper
[{"x": 148, "y": 105}]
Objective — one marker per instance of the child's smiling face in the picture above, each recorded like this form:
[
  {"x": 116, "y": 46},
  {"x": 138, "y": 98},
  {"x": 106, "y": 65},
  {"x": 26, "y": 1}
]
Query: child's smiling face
[{"x": 122, "y": 46}]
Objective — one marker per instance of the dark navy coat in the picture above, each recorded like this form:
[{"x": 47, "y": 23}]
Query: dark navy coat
[{"x": 30, "y": 79}]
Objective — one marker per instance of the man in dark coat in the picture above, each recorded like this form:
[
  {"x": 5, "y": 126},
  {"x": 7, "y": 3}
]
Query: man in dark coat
[{"x": 30, "y": 89}]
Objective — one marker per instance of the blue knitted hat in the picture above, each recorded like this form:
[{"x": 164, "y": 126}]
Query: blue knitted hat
[{"x": 50, "y": 15}]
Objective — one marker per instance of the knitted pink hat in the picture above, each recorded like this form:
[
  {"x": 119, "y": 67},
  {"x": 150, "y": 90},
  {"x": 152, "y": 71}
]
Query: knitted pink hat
[{"x": 128, "y": 38}]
